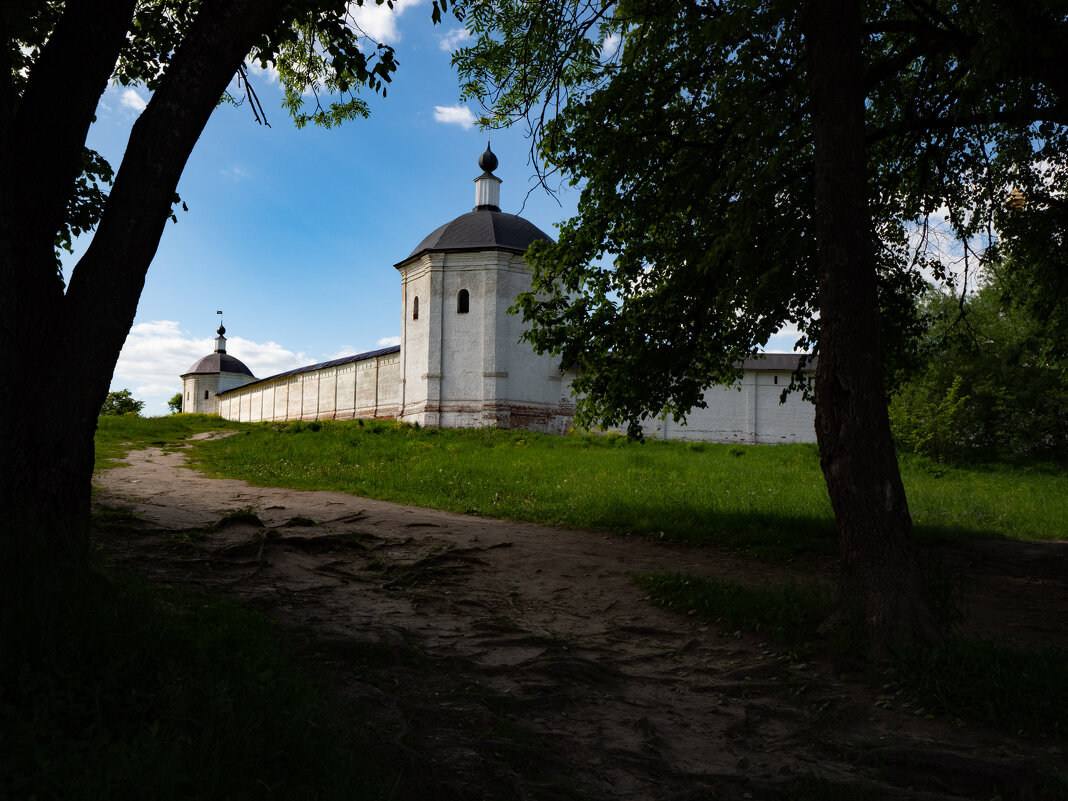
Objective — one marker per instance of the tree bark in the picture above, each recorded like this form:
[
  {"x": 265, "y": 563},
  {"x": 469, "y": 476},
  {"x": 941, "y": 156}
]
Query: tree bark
[
  {"x": 62, "y": 347},
  {"x": 881, "y": 576}
]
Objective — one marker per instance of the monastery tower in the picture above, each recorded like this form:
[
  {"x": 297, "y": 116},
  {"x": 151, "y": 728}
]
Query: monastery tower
[
  {"x": 462, "y": 362},
  {"x": 215, "y": 373}
]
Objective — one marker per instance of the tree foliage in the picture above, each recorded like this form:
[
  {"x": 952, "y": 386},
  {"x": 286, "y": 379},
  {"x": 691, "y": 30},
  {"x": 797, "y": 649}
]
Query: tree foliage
[
  {"x": 688, "y": 128},
  {"x": 121, "y": 402},
  {"x": 56, "y": 61},
  {"x": 749, "y": 165},
  {"x": 175, "y": 403},
  {"x": 990, "y": 384}
]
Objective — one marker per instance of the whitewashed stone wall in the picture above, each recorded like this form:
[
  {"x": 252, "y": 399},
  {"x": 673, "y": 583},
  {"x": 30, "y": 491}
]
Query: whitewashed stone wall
[
  {"x": 470, "y": 369},
  {"x": 367, "y": 388},
  {"x": 199, "y": 390},
  {"x": 748, "y": 412}
]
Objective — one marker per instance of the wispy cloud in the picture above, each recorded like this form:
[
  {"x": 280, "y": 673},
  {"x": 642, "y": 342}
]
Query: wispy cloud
[
  {"x": 454, "y": 115},
  {"x": 236, "y": 171},
  {"x": 132, "y": 100},
  {"x": 456, "y": 36},
  {"x": 340, "y": 353},
  {"x": 388, "y": 342}
]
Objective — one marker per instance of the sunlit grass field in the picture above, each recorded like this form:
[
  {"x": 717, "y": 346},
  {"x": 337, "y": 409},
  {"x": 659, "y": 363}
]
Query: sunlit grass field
[{"x": 770, "y": 501}]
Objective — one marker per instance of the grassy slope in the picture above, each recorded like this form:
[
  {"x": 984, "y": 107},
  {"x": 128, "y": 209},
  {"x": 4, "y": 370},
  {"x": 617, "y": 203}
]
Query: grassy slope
[
  {"x": 770, "y": 501},
  {"x": 118, "y": 435}
]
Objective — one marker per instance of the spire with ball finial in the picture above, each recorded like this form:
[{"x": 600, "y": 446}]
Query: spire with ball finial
[
  {"x": 487, "y": 185},
  {"x": 220, "y": 341}
]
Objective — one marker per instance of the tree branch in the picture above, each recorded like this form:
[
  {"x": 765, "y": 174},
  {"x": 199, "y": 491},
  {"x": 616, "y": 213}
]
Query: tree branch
[
  {"x": 107, "y": 282},
  {"x": 55, "y": 112}
]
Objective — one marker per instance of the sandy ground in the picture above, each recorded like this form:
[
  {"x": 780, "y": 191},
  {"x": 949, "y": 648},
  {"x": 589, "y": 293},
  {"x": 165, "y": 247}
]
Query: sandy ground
[{"x": 523, "y": 662}]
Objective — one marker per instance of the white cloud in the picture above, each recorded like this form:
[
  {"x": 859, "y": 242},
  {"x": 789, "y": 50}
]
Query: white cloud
[
  {"x": 268, "y": 74},
  {"x": 454, "y": 115},
  {"x": 156, "y": 353},
  {"x": 380, "y": 21},
  {"x": 132, "y": 100},
  {"x": 450, "y": 40},
  {"x": 610, "y": 47},
  {"x": 388, "y": 342}
]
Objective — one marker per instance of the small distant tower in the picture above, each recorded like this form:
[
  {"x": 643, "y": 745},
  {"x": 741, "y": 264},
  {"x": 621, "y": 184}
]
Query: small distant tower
[
  {"x": 462, "y": 362},
  {"x": 211, "y": 375}
]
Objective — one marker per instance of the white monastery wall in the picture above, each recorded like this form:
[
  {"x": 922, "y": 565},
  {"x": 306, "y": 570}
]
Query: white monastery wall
[
  {"x": 365, "y": 388},
  {"x": 747, "y": 412},
  {"x": 467, "y": 367}
]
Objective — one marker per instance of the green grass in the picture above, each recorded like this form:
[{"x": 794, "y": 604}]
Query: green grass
[
  {"x": 986, "y": 682},
  {"x": 118, "y": 435},
  {"x": 768, "y": 501},
  {"x": 168, "y": 695},
  {"x": 965, "y": 679}
]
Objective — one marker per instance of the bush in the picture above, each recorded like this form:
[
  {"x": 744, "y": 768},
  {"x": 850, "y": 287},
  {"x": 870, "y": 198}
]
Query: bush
[{"x": 121, "y": 402}]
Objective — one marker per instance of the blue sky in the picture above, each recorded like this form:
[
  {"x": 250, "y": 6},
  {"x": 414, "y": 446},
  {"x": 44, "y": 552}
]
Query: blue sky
[{"x": 294, "y": 234}]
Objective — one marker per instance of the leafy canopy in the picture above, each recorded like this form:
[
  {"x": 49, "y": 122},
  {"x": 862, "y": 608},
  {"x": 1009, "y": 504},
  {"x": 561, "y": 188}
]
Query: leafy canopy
[
  {"x": 687, "y": 127},
  {"x": 121, "y": 402},
  {"x": 990, "y": 385}
]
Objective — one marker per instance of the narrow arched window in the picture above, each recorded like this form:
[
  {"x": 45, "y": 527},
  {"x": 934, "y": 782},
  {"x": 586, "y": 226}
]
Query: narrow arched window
[
  {"x": 415, "y": 308},
  {"x": 463, "y": 302},
  {"x": 205, "y": 394}
]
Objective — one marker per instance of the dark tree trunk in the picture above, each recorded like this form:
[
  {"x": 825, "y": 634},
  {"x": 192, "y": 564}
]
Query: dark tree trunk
[
  {"x": 61, "y": 347},
  {"x": 881, "y": 577}
]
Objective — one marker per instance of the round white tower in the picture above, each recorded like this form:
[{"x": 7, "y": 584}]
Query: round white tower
[{"x": 211, "y": 375}]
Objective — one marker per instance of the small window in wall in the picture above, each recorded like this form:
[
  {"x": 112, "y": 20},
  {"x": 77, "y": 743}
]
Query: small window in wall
[
  {"x": 205, "y": 394},
  {"x": 415, "y": 308},
  {"x": 776, "y": 380},
  {"x": 463, "y": 302}
]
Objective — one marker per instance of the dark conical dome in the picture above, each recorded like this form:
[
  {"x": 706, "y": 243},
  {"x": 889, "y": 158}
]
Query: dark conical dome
[
  {"x": 482, "y": 230},
  {"x": 219, "y": 363}
]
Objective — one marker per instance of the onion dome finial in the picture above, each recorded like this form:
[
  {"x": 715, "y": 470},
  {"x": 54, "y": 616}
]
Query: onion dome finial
[{"x": 488, "y": 161}]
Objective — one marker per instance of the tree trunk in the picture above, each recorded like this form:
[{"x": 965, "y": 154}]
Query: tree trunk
[
  {"x": 61, "y": 347},
  {"x": 881, "y": 577}
]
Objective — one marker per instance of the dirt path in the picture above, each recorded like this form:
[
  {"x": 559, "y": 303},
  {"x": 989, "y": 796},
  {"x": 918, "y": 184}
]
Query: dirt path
[{"x": 523, "y": 662}]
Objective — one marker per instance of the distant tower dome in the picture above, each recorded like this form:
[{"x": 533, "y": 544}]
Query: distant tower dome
[
  {"x": 219, "y": 361},
  {"x": 486, "y": 227}
]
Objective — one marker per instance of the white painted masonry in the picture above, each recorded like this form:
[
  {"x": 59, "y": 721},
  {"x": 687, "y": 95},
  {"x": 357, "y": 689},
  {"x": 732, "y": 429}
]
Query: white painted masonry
[{"x": 461, "y": 362}]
